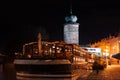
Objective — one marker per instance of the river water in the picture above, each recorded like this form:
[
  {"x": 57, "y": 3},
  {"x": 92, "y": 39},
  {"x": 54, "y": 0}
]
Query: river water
[
  {"x": 46, "y": 79},
  {"x": 7, "y": 72}
]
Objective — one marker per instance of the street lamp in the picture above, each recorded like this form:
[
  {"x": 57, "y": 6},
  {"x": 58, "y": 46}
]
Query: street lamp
[
  {"x": 119, "y": 44},
  {"x": 106, "y": 59},
  {"x": 106, "y": 54}
]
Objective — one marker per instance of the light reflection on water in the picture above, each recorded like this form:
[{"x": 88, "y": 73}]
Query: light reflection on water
[
  {"x": 22, "y": 76},
  {"x": 46, "y": 79},
  {"x": 9, "y": 74}
]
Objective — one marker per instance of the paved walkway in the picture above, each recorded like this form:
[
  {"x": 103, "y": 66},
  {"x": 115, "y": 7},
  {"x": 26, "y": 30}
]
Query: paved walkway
[{"x": 110, "y": 73}]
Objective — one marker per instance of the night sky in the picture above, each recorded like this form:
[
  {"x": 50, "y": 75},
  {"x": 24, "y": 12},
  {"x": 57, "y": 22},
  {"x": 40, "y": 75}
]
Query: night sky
[{"x": 20, "y": 22}]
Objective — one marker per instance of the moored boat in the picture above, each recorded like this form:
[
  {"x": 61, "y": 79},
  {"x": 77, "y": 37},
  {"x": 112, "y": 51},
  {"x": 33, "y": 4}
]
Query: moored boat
[{"x": 44, "y": 58}]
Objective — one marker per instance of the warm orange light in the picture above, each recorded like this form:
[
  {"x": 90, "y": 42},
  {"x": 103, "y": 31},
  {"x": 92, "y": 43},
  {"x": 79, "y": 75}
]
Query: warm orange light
[{"x": 29, "y": 56}]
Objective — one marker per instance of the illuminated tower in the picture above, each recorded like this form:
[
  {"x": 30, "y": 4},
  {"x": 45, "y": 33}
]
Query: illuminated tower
[{"x": 71, "y": 29}]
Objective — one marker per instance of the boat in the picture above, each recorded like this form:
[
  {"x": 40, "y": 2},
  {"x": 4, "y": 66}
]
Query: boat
[{"x": 50, "y": 59}]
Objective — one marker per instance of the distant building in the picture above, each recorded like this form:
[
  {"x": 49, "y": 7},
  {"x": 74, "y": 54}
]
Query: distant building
[
  {"x": 109, "y": 46},
  {"x": 96, "y": 51}
]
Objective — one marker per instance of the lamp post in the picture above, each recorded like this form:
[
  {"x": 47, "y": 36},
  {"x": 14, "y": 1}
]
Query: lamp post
[
  {"x": 119, "y": 40},
  {"x": 106, "y": 59},
  {"x": 106, "y": 55}
]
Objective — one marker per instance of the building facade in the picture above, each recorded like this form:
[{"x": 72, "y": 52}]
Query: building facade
[
  {"x": 109, "y": 46},
  {"x": 95, "y": 51}
]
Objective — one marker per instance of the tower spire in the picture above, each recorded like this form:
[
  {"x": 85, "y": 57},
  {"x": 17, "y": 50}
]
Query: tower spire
[
  {"x": 71, "y": 9},
  {"x": 71, "y": 18}
]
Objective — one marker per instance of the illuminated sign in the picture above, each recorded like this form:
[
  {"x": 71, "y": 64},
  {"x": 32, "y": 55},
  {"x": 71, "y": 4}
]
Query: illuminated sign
[{"x": 93, "y": 50}]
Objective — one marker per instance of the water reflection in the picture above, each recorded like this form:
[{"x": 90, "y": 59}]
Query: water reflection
[
  {"x": 46, "y": 78},
  {"x": 7, "y": 72},
  {"x": 26, "y": 76}
]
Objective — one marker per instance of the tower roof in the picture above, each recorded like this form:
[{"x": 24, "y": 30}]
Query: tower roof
[{"x": 72, "y": 18}]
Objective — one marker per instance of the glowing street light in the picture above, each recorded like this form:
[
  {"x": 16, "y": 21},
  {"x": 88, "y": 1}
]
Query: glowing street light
[{"x": 106, "y": 54}]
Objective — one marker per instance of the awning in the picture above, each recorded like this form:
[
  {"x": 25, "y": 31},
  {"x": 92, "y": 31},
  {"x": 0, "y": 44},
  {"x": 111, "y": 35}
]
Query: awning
[{"x": 117, "y": 56}]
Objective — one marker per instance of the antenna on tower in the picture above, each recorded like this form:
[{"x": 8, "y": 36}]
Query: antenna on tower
[{"x": 71, "y": 7}]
